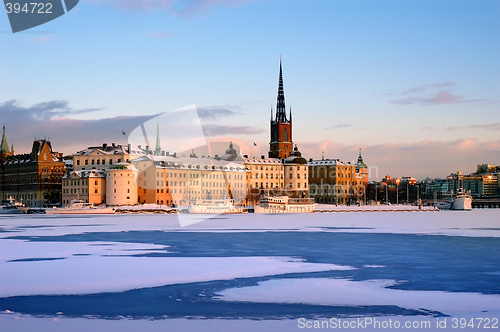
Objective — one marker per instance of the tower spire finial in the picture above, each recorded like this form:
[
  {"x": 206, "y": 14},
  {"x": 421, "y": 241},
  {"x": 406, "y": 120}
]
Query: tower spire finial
[{"x": 280, "y": 105}]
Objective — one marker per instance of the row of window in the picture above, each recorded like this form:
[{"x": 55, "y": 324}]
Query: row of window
[
  {"x": 98, "y": 161},
  {"x": 272, "y": 185},
  {"x": 77, "y": 182}
]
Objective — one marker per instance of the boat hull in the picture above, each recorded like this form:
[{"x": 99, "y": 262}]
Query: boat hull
[
  {"x": 307, "y": 208},
  {"x": 462, "y": 203},
  {"x": 13, "y": 211},
  {"x": 196, "y": 209},
  {"x": 81, "y": 211}
]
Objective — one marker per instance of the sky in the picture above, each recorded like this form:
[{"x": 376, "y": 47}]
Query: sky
[{"x": 414, "y": 84}]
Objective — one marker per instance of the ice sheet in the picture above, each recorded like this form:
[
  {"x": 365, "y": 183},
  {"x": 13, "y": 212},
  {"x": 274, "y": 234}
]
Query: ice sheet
[
  {"x": 95, "y": 274},
  {"x": 23, "y": 250},
  {"x": 343, "y": 292},
  {"x": 475, "y": 223}
]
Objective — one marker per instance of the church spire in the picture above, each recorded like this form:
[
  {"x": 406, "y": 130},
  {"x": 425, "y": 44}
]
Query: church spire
[
  {"x": 5, "y": 145},
  {"x": 280, "y": 105},
  {"x": 158, "y": 145}
]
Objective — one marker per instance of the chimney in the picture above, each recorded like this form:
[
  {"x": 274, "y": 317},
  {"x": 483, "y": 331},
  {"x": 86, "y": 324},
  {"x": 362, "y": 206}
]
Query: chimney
[
  {"x": 113, "y": 145},
  {"x": 129, "y": 148},
  {"x": 147, "y": 149},
  {"x": 104, "y": 145},
  {"x": 163, "y": 153},
  {"x": 139, "y": 147}
]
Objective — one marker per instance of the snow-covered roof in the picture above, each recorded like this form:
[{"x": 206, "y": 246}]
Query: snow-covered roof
[{"x": 328, "y": 162}]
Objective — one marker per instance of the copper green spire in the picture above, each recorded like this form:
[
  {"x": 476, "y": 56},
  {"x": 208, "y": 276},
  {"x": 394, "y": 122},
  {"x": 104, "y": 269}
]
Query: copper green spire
[
  {"x": 5, "y": 145},
  {"x": 158, "y": 145}
]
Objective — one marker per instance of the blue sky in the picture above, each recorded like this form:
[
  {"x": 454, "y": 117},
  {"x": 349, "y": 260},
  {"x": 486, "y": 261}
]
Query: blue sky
[{"x": 414, "y": 83}]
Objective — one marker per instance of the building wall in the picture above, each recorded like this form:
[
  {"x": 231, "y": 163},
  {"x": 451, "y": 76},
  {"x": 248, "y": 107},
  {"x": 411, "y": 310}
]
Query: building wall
[
  {"x": 89, "y": 186},
  {"x": 101, "y": 157},
  {"x": 121, "y": 186},
  {"x": 33, "y": 178},
  {"x": 335, "y": 182},
  {"x": 265, "y": 173},
  {"x": 296, "y": 180}
]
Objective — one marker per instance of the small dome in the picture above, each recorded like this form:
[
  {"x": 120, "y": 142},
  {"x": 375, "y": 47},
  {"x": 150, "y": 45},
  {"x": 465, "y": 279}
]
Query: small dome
[
  {"x": 295, "y": 157},
  {"x": 231, "y": 153},
  {"x": 193, "y": 155}
]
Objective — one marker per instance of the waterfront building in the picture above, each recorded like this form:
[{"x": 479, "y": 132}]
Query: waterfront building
[
  {"x": 103, "y": 156},
  {"x": 333, "y": 181},
  {"x": 296, "y": 175},
  {"x": 88, "y": 186},
  {"x": 33, "y": 178},
  {"x": 266, "y": 174},
  {"x": 336, "y": 182},
  {"x": 178, "y": 181},
  {"x": 121, "y": 184}
]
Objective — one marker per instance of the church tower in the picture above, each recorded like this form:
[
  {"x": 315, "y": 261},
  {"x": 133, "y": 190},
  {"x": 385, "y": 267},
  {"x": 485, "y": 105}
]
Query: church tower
[{"x": 281, "y": 144}]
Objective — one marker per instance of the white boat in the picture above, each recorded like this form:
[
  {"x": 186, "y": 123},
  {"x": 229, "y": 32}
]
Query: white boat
[
  {"x": 214, "y": 206},
  {"x": 13, "y": 208},
  {"x": 284, "y": 204},
  {"x": 462, "y": 201},
  {"x": 80, "y": 207}
]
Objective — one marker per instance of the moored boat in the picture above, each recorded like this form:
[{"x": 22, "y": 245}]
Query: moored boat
[
  {"x": 214, "y": 206},
  {"x": 80, "y": 207},
  {"x": 284, "y": 204}
]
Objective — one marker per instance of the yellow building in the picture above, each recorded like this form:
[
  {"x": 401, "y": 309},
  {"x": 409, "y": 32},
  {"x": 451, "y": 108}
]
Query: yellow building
[
  {"x": 178, "y": 181},
  {"x": 101, "y": 157},
  {"x": 335, "y": 182},
  {"x": 88, "y": 185}
]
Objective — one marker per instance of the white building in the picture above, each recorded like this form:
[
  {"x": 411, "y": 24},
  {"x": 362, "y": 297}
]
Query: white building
[{"x": 121, "y": 184}]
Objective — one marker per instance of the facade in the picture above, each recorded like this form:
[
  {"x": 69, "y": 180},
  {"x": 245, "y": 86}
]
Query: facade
[
  {"x": 333, "y": 181},
  {"x": 121, "y": 184},
  {"x": 100, "y": 157},
  {"x": 33, "y": 178},
  {"x": 281, "y": 143},
  {"x": 265, "y": 173},
  {"x": 178, "y": 181},
  {"x": 88, "y": 186},
  {"x": 296, "y": 175}
]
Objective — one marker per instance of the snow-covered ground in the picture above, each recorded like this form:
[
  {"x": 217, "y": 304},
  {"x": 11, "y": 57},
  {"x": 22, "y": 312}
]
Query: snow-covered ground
[{"x": 260, "y": 272}]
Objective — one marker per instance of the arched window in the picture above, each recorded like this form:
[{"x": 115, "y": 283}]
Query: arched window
[{"x": 285, "y": 135}]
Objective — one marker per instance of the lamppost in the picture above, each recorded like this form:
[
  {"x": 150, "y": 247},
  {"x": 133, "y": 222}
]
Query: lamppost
[
  {"x": 408, "y": 192},
  {"x": 397, "y": 191},
  {"x": 386, "y": 193}
]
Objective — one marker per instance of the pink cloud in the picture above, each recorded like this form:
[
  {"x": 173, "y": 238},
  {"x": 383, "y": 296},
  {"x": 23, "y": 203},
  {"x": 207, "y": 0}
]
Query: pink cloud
[
  {"x": 183, "y": 7},
  {"x": 40, "y": 39},
  {"x": 431, "y": 94}
]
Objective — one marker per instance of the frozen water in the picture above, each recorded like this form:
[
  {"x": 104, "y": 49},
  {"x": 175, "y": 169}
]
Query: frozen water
[
  {"x": 342, "y": 292},
  {"x": 270, "y": 267}
]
